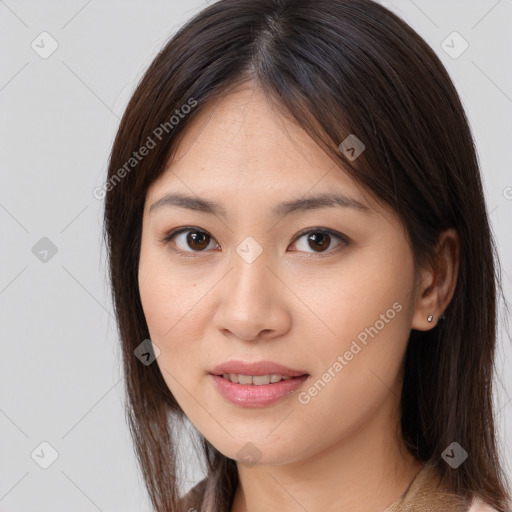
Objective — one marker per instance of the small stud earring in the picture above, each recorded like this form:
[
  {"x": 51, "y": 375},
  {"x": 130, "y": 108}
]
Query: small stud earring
[{"x": 430, "y": 318}]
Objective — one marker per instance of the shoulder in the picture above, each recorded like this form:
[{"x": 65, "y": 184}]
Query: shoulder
[
  {"x": 193, "y": 498},
  {"x": 477, "y": 505}
]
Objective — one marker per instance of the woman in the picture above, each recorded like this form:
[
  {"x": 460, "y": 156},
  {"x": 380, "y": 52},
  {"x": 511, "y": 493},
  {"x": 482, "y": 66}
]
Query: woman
[{"x": 295, "y": 219}]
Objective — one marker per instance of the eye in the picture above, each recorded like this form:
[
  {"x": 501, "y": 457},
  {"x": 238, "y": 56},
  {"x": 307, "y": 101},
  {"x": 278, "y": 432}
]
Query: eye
[
  {"x": 320, "y": 239},
  {"x": 190, "y": 238},
  {"x": 193, "y": 240}
]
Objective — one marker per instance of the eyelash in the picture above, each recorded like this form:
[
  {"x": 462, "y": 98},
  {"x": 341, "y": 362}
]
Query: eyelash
[{"x": 343, "y": 239}]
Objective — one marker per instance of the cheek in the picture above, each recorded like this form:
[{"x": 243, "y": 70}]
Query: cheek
[
  {"x": 368, "y": 312},
  {"x": 172, "y": 308},
  {"x": 167, "y": 297},
  {"x": 173, "y": 324},
  {"x": 343, "y": 302}
]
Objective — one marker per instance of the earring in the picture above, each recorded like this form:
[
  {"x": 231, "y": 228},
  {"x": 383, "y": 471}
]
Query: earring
[{"x": 430, "y": 318}]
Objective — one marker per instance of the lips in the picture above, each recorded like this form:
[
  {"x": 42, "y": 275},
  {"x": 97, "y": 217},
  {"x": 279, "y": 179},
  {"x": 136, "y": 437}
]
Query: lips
[
  {"x": 256, "y": 384},
  {"x": 256, "y": 369}
]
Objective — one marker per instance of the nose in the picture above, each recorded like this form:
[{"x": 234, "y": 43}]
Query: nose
[{"x": 251, "y": 302}]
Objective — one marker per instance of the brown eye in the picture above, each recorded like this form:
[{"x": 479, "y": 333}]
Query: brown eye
[
  {"x": 198, "y": 240},
  {"x": 320, "y": 241},
  {"x": 190, "y": 240}
]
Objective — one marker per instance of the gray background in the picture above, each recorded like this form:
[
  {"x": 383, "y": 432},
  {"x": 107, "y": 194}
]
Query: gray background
[{"x": 60, "y": 366}]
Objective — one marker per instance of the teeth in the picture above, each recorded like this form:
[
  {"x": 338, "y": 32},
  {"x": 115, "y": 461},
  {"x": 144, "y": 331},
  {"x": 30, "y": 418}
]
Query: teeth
[
  {"x": 256, "y": 380},
  {"x": 244, "y": 379}
]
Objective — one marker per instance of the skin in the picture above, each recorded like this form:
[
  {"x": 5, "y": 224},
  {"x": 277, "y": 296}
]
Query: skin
[{"x": 297, "y": 304}]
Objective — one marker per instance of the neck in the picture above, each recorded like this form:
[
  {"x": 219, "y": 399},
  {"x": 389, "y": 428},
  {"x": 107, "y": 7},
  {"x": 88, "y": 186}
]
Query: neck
[{"x": 365, "y": 471}]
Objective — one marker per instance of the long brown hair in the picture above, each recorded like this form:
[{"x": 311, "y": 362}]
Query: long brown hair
[{"x": 334, "y": 67}]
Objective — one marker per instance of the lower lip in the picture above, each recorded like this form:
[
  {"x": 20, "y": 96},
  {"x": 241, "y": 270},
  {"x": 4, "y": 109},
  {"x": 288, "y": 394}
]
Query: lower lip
[{"x": 249, "y": 395}]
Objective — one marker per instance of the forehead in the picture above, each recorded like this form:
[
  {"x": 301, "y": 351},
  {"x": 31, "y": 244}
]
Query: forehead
[
  {"x": 244, "y": 131},
  {"x": 241, "y": 145}
]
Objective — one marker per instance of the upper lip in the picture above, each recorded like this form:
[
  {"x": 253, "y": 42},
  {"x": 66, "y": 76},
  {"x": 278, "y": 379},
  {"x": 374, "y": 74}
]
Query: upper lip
[{"x": 256, "y": 368}]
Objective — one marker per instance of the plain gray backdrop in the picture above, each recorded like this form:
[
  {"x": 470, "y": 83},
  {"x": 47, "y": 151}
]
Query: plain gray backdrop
[{"x": 66, "y": 74}]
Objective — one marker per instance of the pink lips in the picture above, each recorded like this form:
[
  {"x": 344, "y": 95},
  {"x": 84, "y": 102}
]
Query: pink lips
[
  {"x": 260, "y": 368},
  {"x": 249, "y": 395}
]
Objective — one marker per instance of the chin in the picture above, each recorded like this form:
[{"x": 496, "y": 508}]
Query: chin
[{"x": 251, "y": 451}]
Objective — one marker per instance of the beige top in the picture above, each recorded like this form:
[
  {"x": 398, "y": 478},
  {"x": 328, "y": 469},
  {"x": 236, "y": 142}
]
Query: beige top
[{"x": 424, "y": 494}]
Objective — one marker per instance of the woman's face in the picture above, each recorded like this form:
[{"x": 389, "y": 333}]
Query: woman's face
[{"x": 325, "y": 288}]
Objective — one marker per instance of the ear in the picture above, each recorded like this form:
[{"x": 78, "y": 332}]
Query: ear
[{"x": 437, "y": 284}]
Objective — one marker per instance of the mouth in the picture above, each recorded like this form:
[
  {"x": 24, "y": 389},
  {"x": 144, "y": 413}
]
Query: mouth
[
  {"x": 255, "y": 380},
  {"x": 257, "y": 369},
  {"x": 256, "y": 384}
]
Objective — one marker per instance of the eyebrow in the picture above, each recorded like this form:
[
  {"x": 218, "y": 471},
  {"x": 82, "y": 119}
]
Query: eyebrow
[{"x": 281, "y": 210}]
